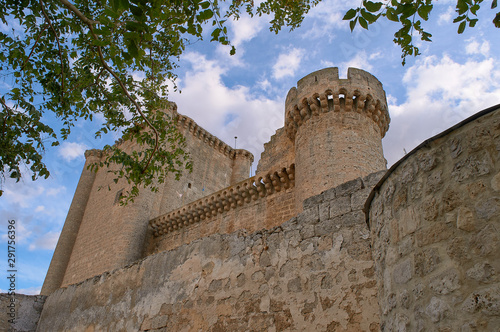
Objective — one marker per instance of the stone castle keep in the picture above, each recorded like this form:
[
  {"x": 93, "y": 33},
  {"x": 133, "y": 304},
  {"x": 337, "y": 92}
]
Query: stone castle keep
[{"x": 322, "y": 238}]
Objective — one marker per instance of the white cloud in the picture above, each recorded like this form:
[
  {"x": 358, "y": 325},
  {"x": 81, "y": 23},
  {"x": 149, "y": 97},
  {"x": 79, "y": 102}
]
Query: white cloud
[
  {"x": 228, "y": 111},
  {"x": 288, "y": 63},
  {"x": 360, "y": 60},
  {"x": 70, "y": 150},
  {"x": 445, "y": 17},
  {"x": 246, "y": 28},
  {"x": 326, "y": 18},
  {"x": 30, "y": 290},
  {"x": 440, "y": 93},
  {"x": 46, "y": 241},
  {"x": 473, "y": 47}
]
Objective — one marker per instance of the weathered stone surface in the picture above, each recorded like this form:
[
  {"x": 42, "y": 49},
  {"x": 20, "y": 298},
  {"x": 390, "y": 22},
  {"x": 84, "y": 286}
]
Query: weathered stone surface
[
  {"x": 446, "y": 282},
  {"x": 24, "y": 310},
  {"x": 293, "y": 277},
  {"x": 403, "y": 272},
  {"x": 453, "y": 240}
]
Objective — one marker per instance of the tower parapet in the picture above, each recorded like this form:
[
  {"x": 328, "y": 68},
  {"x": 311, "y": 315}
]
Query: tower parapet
[
  {"x": 337, "y": 127},
  {"x": 323, "y": 91}
]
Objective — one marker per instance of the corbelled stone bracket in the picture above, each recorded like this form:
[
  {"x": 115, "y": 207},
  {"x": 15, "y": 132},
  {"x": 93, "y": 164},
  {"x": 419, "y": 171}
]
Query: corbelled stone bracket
[{"x": 252, "y": 189}]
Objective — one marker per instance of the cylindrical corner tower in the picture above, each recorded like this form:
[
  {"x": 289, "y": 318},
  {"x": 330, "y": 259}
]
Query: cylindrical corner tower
[
  {"x": 64, "y": 248},
  {"x": 337, "y": 126}
]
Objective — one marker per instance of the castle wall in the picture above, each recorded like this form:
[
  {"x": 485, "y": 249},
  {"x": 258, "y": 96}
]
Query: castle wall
[
  {"x": 107, "y": 235},
  {"x": 24, "y": 310},
  {"x": 262, "y": 201},
  {"x": 215, "y": 166},
  {"x": 312, "y": 273},
  {"x": 435, "y": 225},
  {"x": 280, "y": 150}
]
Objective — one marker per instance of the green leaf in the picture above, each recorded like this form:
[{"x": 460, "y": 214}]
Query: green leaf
[
  {"x": 424, "y": 10},
  {"x": 391, "y": 15},
  {"x": 132, "y": 50},
  {"x": 205, "y": 15},
  {"x": 461, "y": 27},
  {"x": 124, "y": 4},
  {"x": 494, "y": 4},
  {"x": 472, "y": 23},
  {"x": 136, "y": 11},
  {"x": 350, "y": 14},
  {"x": 205, "y": 4},
  {"x": 496, "y": 20},
  {"x": 369, "y": 17},
  {"x": 352, "y": 24},
  {"x": 462, "y": 6},
  {"x": 363, "y": 23},
  {"x": 459, "y": 18},
  {"x": 372, "y": 6},
  {"x": 474, "y": 9}
]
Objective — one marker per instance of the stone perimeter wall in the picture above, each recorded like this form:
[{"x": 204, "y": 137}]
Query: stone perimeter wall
[
  {"x": 26, "y": 310},
  {"x": 435, "y": 225},
  {"x": 312, "y": 273}
]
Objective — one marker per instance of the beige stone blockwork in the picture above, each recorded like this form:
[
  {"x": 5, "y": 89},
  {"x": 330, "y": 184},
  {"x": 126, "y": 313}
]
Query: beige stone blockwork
[{"x": 436, "y": 232}]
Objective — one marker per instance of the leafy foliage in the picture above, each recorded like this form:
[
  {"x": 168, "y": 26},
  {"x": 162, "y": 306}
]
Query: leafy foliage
[
  {"x": 81, "y": 59},
  {"x": 411, "y": 14}
]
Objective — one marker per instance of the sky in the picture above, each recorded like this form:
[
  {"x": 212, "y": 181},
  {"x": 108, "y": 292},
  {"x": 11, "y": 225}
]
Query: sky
[{"x": 244, "y": 95}]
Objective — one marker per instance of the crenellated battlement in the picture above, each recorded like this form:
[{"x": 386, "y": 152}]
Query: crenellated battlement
[
  {"x": 189, "y": 125},
  {"x": 323, "y": 91},
  {"x": 93, "y": 153}
]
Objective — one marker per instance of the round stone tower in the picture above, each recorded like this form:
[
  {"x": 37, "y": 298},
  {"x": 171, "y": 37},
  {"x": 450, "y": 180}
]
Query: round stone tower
[{"x": 337, "y": 126}]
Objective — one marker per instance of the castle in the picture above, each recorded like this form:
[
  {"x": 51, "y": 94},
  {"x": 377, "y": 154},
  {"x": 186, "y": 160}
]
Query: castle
[{"x": 322, "y": 238}]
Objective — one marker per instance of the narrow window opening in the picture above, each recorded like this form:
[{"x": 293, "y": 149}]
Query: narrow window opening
[{"x": 189, "y": 185}]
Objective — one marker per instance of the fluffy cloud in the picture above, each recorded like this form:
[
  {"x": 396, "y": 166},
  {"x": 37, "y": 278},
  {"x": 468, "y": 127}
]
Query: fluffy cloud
[
  {"x": 45, "y": 241},
  {"x": 70, "y": 151},
  {"x": 228, "y": 111},
  {"x": 473, "y": 47},
  {"x": 440, "y": 93},
  {"x": 360, "y": 60},
  {"x": 288, "y": 63},
  {"x": 246, "y": 28}
]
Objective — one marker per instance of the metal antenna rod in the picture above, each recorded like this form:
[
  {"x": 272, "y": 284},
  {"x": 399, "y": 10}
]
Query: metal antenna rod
[{"x": 235, "y": 137}]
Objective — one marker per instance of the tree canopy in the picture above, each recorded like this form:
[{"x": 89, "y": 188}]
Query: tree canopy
[{"x": 112, "y": 58}]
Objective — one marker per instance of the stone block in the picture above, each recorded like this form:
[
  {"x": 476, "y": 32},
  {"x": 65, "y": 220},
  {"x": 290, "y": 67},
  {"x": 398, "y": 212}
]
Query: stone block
[
  {"x": 403, "y": 271},
  {"x": 309, "y": 216},
  {"x": 340, "y": 206},
  {"x": 445, "y": 282},
  {"x": 353, "y": 218},
  {"x": 426, "y": 261},
  {"x": 486, "y": 300},
  {"x": 324, "y": 211},
  {"x": 371, "y": 180},
  {"x": 312, "y": 202},
  {"x": 349, "y": 187},
  {"x": 437, "y": 309},
  {"x": 482, "y": 272}
]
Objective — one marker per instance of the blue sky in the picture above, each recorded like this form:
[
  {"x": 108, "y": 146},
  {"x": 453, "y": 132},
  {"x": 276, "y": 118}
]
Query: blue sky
[{"x": 243, "y": 95}]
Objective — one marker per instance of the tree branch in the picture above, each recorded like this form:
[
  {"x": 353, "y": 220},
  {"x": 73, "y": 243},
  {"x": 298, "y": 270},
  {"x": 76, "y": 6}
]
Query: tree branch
[
  {"x": 33, "y": 48},
  {"x": 78, "y": 13},
  {"x": 90, "y": 23},
  {"x": 59, "y": 49}
]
